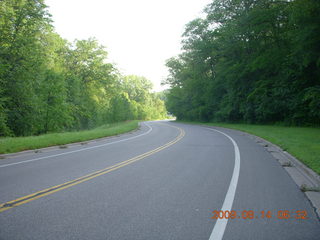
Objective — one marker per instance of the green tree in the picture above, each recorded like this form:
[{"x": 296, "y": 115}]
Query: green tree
[
  {"x": 21, "y": 61},
  {"x": 48, "y": 84},
  {"x": 88, "y": 78},
  {"x": 247, "y": 60}
]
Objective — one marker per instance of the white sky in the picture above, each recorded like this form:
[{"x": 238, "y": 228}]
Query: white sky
[{"x": 140, "y": 35}]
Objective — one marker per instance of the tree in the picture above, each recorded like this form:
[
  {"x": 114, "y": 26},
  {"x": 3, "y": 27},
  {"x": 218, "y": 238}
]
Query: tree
[
  {"x": 21, "y": 58},
  {"x": 248, "y": 60},
  {"x": 49, "y": 85}
]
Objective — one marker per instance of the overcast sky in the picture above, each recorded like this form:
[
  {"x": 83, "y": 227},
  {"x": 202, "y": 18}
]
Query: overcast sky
[{"x": 139, "y": 34}]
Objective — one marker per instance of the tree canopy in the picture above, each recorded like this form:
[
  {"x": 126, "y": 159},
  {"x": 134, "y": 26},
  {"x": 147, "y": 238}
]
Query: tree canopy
[
  {"x": 249, "y": 61},
  {"x": 48, "y": 84}
]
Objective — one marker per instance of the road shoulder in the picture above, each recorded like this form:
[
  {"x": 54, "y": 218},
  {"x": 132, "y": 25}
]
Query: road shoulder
[{"x": 307, "y": 180}]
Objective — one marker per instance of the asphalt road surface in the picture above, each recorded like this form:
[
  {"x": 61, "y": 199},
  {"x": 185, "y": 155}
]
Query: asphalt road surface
[{"x": 165, "y": 181}]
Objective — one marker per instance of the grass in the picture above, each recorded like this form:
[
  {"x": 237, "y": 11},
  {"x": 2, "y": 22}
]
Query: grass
[
  {"x": 301, "y": 142},
  {"x": 16, "y": 144}
]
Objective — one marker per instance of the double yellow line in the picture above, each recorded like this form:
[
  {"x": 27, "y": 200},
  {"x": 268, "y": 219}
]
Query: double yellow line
[{"x": 51, "y": 190}]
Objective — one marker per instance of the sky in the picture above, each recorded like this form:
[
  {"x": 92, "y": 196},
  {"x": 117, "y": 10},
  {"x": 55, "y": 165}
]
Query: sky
[{"x": 139, "y": 35}]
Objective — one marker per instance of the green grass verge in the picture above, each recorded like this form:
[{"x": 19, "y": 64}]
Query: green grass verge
[
  {"x": 16, "y": 144},
  {"x": 301, "y": 142}
]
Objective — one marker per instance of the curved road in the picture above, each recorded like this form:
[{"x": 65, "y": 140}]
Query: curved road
[{"x": 165, "y": 181}]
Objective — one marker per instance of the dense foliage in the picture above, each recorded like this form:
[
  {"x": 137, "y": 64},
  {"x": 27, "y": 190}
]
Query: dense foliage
[
  {"x": 249, "y": 61},
  {"x": 48, "y": 84}
]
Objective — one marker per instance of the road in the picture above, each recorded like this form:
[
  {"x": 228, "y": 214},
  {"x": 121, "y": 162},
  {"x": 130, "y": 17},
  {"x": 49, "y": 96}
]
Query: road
[{"x": 164, "y": 181}]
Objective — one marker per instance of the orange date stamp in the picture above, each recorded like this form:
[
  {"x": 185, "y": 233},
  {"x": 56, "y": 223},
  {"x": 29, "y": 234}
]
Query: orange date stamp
[{"x": 250, "y": 214}]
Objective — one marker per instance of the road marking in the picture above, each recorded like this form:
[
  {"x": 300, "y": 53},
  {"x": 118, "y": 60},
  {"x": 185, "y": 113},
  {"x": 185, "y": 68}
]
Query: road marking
[
  {"x": 220, "y": 226},
  {"x": 79, "y": 150},
  {"x": 51, "y": 190}
]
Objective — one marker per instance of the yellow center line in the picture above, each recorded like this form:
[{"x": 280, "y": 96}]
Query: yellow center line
[{"x": 51, "y": 190}]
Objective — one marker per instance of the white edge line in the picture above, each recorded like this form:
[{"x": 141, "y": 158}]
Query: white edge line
[
  {"x": 79, "y": 150},
  {"x": 220, "y": 226}
]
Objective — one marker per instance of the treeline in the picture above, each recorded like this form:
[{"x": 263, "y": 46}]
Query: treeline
[
  {"x": 249, "y": 61},
  {"x": 48, "y": 84}
]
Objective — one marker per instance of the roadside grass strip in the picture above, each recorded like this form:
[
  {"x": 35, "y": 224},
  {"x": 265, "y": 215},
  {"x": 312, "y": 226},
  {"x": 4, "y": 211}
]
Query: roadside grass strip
[{"x": 17, "y": 144}]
